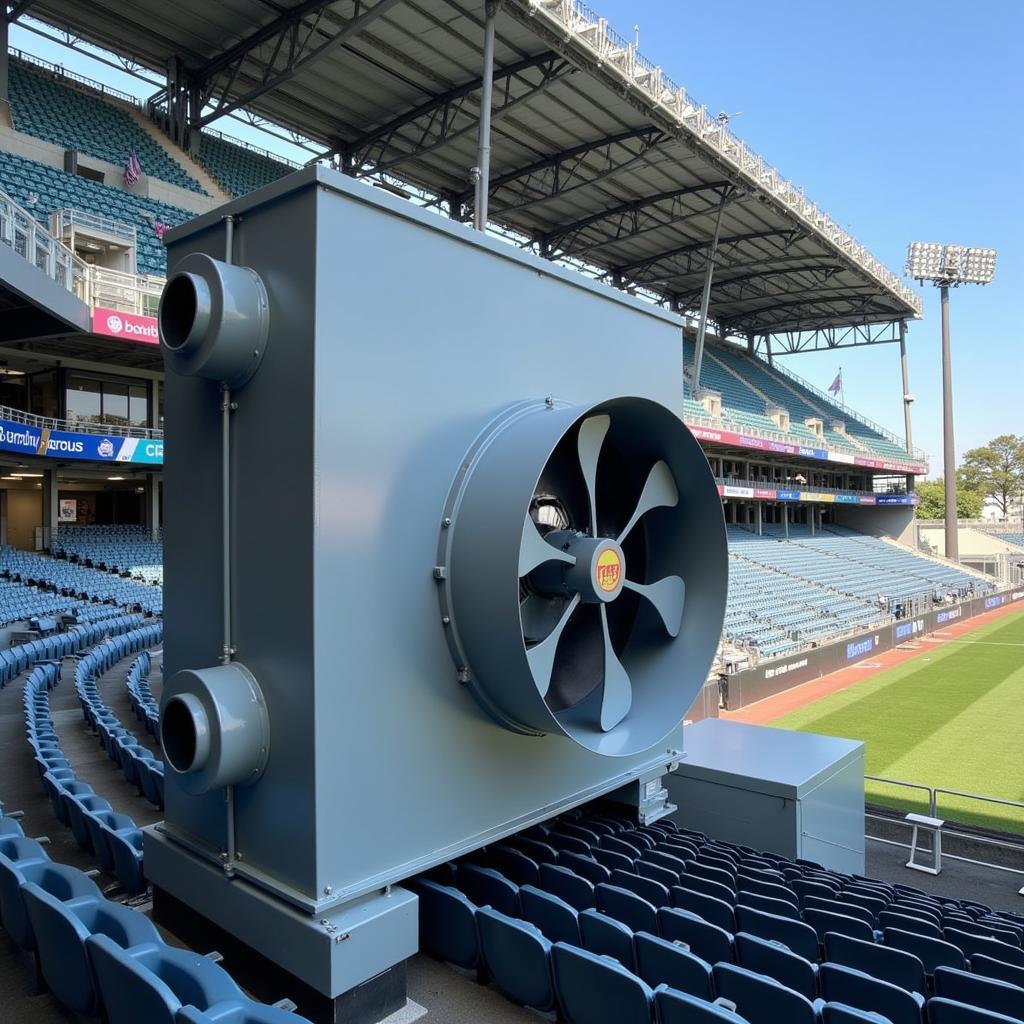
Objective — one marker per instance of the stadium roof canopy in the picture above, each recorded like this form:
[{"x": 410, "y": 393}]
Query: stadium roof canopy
[{"x": 597, "y": 156}]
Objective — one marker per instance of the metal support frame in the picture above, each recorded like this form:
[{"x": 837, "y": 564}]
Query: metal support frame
[
  {"x": 295, "y": 45},
  {"x": 824, "y": 337},
  {"x": 568, "y": 170},
  {"x": 706, "y": 296},
  {"x": 450, "y": 115},
  {"x": 907, "y": 400},
  {"x": 482, "y": 171},
  {"x": 768, "y": 347},
  {"x": 948, "y": 448}
]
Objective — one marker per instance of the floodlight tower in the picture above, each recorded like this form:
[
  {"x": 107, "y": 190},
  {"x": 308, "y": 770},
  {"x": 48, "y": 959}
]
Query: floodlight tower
[{"x": 948, "y": 266}]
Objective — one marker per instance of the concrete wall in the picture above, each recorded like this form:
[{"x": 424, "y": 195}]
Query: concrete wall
[{"x": 894, "y": 521}]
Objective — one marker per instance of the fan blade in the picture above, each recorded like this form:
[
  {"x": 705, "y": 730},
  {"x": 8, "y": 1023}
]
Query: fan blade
[
  {"x": 541, "y": 657},
  {"x": 617, "y": 697},
  {"x": 588, "y": 444},
  {"x": 534, "y": 550},
  {"x": 659, "y": 490},
  {"x": 667, "y": 596}
]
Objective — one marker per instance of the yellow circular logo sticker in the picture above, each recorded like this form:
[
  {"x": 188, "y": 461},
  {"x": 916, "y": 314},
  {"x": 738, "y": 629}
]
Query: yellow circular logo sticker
[{"x": 609, "y": 570}]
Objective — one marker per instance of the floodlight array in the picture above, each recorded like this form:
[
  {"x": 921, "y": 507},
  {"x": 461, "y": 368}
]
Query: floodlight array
[{"x": 950, "y": 264}]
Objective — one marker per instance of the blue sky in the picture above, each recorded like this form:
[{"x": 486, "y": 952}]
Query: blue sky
[{"x": 903, "y": 120}]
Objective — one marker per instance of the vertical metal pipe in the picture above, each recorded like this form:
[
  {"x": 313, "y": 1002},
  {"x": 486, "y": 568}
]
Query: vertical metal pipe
[
  {"x": 225, "y": 473},
  {"x": 768, "y": 347},
  {"x": 906, "y": 386},
  {"x": 483, "y": 156},
  {"x": 948, "y": 448},
  {"x": 705, "y": 297}
]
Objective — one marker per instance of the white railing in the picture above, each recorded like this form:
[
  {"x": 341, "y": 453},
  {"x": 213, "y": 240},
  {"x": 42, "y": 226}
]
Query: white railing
[
  {"x": 65, "y": 220},
  {"x": 60, "y": 71},
  {"x": 95, "y": 286},
  {"x": 242, "y": 144},
  {"x": 79, "y": 426},
  {"x": 573, "y": 19},
  {"x": 29, "y": 239}
]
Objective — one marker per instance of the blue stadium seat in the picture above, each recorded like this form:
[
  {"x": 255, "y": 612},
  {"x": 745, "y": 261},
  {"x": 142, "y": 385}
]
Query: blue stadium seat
[
  {"x": 152, "y": 982},
  {"x": 586, "y": 867},
  {"x": 767, "y": 956},
  {"x": 840, "y": 906},
  {"x": 487, "y": 887},
  {"x": 518, "y": 959},
  {"x": 62, "y": 882},
  {"x": 771, "y": 890},
  {"x": 840, "y": 1013},
  {"x": 567, "y": 885},
  {"x": 659, "y": 961},
  {"x": 713, "y": 910},
  {"x": 769, "y": 905},
  {"x": 704, "y": 939},
  {"x": 855, "y": 988},
  {"x": 61, "y": 929},
  {"x": 973, "y": 944},
  {"x": 795, "y": 935},
  {"x": 708, "y": 888},
  {"x": 949, "y": 1011},
  {"x": 593, "y": 989},
  {"x": 636, "y": 913},
  {"x": 237, "y": 1011},
  {"x": 607, "y": 937},
  {"x": 908, "y": 922},
  {"x": 99, "y": 825},
  {"x": 514, "y": 865},
  {"x": 447, "y": 924},
  {"x": 760, "y": 999},
  {"x": 823, "y": 921},
  {"x": 674, "y": 1007},
  {"x": 985, "y": 993},
  {"x": 933, "y": 953},
  {"x": 989, "y": 967},
  {"x": 656, "y": 872},
  {"x": 556, "y": 919},
  {"x": 893, "y": 965}
]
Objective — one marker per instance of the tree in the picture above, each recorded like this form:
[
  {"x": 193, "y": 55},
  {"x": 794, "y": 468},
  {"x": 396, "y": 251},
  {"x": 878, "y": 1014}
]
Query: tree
[
  {"x": 932, "y": 493},
  {"x": 997, "y": 470}
]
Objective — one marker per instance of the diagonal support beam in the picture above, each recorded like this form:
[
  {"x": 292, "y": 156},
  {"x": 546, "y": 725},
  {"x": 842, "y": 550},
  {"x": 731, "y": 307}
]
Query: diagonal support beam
[
  {"x": 18, "y": 9},
  {"x": 826, "y": 270},
  {"x": 628, "y": 219},
  {"x": 299, "y": 55},
  {"x": 638, "y": 266}
]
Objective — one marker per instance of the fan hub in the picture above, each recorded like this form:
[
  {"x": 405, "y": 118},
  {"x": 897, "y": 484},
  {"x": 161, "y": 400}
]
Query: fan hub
[{"x": 599, "y": 571}]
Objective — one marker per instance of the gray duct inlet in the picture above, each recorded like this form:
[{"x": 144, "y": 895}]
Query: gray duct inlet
[
  {"x": 214, "y": 728},
  {"x": 214, "y": 320}
]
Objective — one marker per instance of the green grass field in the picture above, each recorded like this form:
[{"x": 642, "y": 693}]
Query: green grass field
[{"x": 952, "y": 717}]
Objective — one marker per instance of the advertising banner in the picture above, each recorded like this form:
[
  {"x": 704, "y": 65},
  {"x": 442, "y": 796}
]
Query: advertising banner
[
  {"x": 728, "y": 437},
  {"x": 112, "y": 323},
  {"x": 62, "y": 444},
  {"x": 68, "y": 511}
]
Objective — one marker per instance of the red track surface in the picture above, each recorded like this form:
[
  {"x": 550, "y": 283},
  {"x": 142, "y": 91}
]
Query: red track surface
[{"x": 770, "y": 708}]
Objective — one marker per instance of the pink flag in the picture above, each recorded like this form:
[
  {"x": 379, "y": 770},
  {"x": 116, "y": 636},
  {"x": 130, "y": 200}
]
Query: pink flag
[{"x": 132, "y": 169}]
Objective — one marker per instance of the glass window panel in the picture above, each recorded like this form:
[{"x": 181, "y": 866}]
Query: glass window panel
[
  {"x": 84, "y": 399},
  {"x": 138, "y": 405},
  {"x": 115, "y": 403}
]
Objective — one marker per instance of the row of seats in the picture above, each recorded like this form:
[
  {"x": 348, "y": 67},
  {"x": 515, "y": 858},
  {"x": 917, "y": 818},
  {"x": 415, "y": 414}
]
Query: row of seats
[
  {"x": 18, "y": 602},
  {"x": 70, "y": 117},
  {"x": 141, "y": 696},
  {"x": 77, "y": 581},
  {"x": 124, "y": 550},
  {"x": 238, "y": 169},
  {"x": 767, "y": 937},
  {"x": 42, "y": 190},
  {"x": 112, "y": 838},
  {"x": 101, "y": 958},
  {"x": 19, "y": 658},
  {"x": 140, "y": 766}
]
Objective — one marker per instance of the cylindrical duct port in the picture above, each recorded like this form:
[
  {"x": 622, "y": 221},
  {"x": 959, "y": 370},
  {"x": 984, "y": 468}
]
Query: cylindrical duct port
[
  {"x": 185, "y": 733},
  {"x": 214, "y": 728},
  {"x": 214, "y": 320}
]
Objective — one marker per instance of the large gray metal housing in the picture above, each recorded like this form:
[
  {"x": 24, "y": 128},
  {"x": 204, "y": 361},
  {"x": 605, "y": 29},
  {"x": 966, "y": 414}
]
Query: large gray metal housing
[{"x": 395, "y": 341}]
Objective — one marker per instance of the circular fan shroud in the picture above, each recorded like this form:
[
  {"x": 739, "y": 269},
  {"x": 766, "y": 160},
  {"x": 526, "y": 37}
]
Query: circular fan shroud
[{"x": 539, "y": 644}]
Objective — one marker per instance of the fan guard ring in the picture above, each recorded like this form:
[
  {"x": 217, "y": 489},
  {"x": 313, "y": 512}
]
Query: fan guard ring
[{"x": 582, "y": 571}]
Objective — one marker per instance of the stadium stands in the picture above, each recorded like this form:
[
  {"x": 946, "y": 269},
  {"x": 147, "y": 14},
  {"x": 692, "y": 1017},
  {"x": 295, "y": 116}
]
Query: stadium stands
[
  {"x": 75, "y": 119},
  {"x": 675, "y": 954},
  {"x": 53, "y": 190},
  {"x": 825, "y": 585},
  {"x": 77, "y": 581},
  {"x": 120, "y": 549},
  {"x": 238, "y": 168}
]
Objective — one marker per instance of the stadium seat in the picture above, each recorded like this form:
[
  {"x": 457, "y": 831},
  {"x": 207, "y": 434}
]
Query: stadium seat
[
  {"x": 237, "y": 1011},
  {"x": 60, "y": 881},
  {"x": 933, "y": 953},
  {"x": 989, "y": 967},
  {"x": 705, "y": 940},
  {"x": 767, "y": 956},
  {"x": 708, "y": 888},
  {"x": 594, "y": 988},
  {"x": 970, "y": 945},
  {"x": 760, "y": 999},
  {"x": 856, "y": 988},
  {"x": 606, "y": 937},
  {"x": 487, "y": 887},
  {"x": 984, "y": 993},
  {"x": 556, "y": 919},
  {"x": 659, "y": 961},
  {"x": 567, "y": 885},
  {"x": 586, "y": 867},
  {"x": 840, "y": 1013},
  {"x": 152, "y": 982},
  {"x": 823, "y": 921},
  {"x": 948, "y": 1011},
  {"x": 909, "y": 923},
  {"x": 801, "y": 938},
  {"x": 892, "y": 965},
  {"x": 60, "y": 930},
  {"x": 447, "y": 924},
  {"x": 674, "y": 1007},
  {"x": 517, "y": 958},
  {"x": 769, "y": 905},
  {"x": 646, "y": 888},
  {"x": 637, "y": 914},
  {"x": 715, "y": 911}
]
